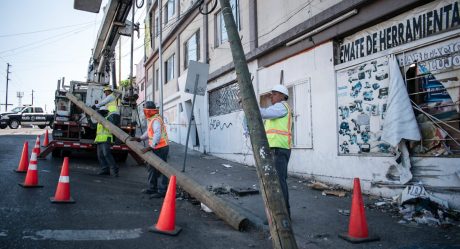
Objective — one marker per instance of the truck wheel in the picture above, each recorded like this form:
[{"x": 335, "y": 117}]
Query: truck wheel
[
  {"x": 41, "y": 126},
  {"x": 14, "y": 124},
  {"x": 66, "y": 153},
  {"x": 3, "y": 126},
  {"x": 56, "y": 152}
]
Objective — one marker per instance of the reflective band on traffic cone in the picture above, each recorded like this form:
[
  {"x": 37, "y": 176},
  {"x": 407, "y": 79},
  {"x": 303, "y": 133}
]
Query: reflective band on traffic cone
[
  {"x": 37, "y": 145},
  {"x": 62, "y": 194},
  {"x": 357, "y": 229},
  {"x": 31, "y": 180},
  {"x": 46, "y": 141},
  {"x": 166, "y": 221},
  {"x": 24, "y": 162}
]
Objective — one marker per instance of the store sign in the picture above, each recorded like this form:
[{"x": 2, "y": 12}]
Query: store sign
[
  {"x": 416, "y": 24},
  {"x": 439, "y": 56}
]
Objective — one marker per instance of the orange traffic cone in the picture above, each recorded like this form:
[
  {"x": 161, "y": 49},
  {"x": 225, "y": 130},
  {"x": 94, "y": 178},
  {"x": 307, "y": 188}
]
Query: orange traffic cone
[
  {"x": 37, "y": 145},
  {"x": 46, "y": 141},
  {"x": 166, "y": 221},
  {"x": 62, "y": 194},
  {"x": 24, "y": 162},
  {"x": 31, "y": 180},
  {"x": 357, "y": 228}
]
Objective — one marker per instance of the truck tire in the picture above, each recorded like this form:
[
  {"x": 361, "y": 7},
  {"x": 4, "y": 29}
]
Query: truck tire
[
  {"x": 41, "y": 126},
  {"x": 56, "y": 152},
  {"x": 14, "y": 124},
  {"x": 3, "y": 126}
]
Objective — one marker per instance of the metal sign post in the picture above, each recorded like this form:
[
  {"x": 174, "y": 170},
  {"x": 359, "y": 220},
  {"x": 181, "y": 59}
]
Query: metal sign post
[{"x": 197, "y": 79}]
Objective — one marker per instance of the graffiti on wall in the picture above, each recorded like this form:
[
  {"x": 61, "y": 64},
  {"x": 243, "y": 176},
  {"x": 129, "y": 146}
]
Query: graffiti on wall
[
  {"x": 224, "y": 100},
  {"x": 362, "y": 92},
  {"x": 217, "y": 124}
]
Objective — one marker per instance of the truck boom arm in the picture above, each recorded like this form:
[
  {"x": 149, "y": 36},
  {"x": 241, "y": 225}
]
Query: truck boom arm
[{"x": 115, "y": 18}]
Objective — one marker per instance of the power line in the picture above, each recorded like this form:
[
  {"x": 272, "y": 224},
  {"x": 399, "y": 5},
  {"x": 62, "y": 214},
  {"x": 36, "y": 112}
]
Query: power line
[
  {"x": 49, "y": 38},
  {"x": 34, "y": 46},
  {"x": 43, "y": 30}
]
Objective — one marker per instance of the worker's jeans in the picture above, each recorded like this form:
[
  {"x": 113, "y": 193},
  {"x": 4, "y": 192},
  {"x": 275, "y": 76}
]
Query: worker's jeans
[
  {"x": 281, "y": 160},
  {"x": 154, "y": 173},
  {"x": 104, "y": 155}
]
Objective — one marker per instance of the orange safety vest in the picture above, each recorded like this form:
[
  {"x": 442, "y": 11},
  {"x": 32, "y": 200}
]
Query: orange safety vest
[{"x": 164, "y": 136}]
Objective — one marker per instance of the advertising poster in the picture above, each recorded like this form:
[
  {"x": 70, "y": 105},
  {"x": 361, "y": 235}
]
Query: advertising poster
[{"x": 362, "y": 92}]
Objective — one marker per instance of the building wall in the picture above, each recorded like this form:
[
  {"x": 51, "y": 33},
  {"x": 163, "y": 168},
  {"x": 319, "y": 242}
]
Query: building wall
[
  {"x": 170, "y": 87},
  {"x": 195, "y": 25},
  {"x": 220, "y": 55},
  {"x": 275, "y": 17}
]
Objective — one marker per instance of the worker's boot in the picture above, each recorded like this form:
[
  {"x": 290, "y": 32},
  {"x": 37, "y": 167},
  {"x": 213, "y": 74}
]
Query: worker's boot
[{"x": 115, "y": 172}]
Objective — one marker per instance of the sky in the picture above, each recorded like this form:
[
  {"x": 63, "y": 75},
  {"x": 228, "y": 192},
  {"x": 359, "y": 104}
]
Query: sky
[{"x": 45, "y": 41}]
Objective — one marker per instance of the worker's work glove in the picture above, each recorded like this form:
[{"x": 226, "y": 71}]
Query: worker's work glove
[
  {"x": 146, "y": 149},
  {"x": 137, "y": 139}
]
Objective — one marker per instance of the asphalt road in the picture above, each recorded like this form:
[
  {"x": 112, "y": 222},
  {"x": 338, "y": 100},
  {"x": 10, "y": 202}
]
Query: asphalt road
[{"x": 108, "y": 213}]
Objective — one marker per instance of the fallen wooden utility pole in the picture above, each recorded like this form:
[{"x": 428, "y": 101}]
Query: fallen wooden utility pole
[
  {"x": 280, "y": 223},
  {"x": 220, "y": 207}
]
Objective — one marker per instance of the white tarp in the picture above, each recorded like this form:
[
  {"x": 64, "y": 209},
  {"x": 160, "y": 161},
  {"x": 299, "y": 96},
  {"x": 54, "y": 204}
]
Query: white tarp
[{"x": 400, "y": 122}]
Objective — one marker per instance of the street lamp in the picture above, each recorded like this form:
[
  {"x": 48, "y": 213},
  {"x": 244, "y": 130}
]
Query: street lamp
[{"x": 87, "y": 5}]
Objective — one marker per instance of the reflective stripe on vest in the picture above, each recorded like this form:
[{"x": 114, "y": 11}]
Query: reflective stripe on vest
[
  {"x": 112, "y": 106},
  {"x": 164, "y": 136},
  {"x": 103, "y": 134},
  {"x": 279, "y": 130}
]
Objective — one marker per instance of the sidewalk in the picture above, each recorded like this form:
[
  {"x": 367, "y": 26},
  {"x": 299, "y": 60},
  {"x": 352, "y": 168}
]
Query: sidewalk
[{"x": 316, "y": 219}]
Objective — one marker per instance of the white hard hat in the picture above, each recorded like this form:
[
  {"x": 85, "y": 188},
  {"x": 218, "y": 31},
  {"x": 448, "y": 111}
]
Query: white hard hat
[{"x": 282, "y": 89}]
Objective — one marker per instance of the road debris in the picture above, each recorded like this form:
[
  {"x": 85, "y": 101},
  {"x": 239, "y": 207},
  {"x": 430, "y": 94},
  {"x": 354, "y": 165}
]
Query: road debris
[
  {"x": 338, "y": 193},
  {"x": 318, "y": 185},
  {"x": 327, "y": 190},
  {"x": 345, "y": 212},
  {"x": 244, "y": 191}
]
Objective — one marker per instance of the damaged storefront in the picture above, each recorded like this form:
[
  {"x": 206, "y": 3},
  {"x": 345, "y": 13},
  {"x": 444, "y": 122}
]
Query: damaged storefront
[{"x": 398, "y": 97}]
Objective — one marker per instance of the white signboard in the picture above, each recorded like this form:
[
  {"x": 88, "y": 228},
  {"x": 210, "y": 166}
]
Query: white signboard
[{"x": 197, "y": 75}]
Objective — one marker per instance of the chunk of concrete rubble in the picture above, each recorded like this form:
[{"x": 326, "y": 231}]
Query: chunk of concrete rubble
[{"x": 338, "y": 193}]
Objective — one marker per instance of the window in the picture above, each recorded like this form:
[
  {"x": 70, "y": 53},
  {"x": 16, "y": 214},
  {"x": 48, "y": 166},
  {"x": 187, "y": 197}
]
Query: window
[
  {"x": 28, "y": 110},
  {"x": 38, "y": 110},
  {"x": 169, "y": 69},
  {"x": 433, "y": 87},
  {"x": 170, "y": 10},
  {"x": 157, "y": 79},
  {"x": 221, "y": 30},
  {"x": 142, "y": 86},
  {"x": 192, "y": 49},
  {"x": 157, "y": 25},
  {"x": 224, "y": 100}
]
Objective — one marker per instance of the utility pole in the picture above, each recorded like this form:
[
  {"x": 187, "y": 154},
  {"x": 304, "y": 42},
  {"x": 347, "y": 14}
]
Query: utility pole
[
  {"x": 279, "y": 221},
  {"x": 32, "y": 97},
  {"x": 132, "y": 48},
  {"x": 19, "y": 95},
  {"x": 160, "y": 55},
  {"x": 8, "y": 65}
]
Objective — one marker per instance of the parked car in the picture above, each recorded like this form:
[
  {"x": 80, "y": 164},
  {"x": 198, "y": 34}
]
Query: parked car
[{"x": 31, "y": 115}]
